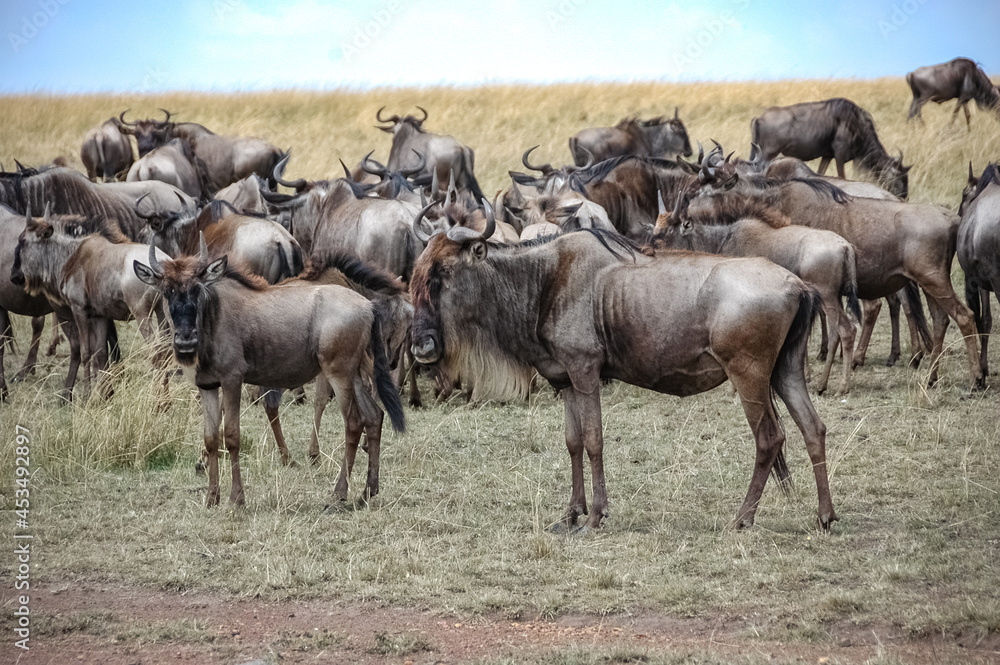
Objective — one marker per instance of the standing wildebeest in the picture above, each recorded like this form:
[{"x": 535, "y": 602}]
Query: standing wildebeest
[
  {"x": 960, "y": 79},
  {"x": 835, "y": 129},
  {"x": 14, "y": 299},
  {"x": 173, "y": 163},
  {"x": 979, "y": 251},
  {"x": 232, "y": 329},
  {"x": 657, "y": 137},
  {"x": 106, "y": 151},
  {"x": 587, "y": 307},
  {"x": 70, "y": 193},
  {"x": 894, "y": 241},
  {"x": 745, "y": 227},
  {"x": 443, "y": 154},
  {"x": 226, "y": 159}
]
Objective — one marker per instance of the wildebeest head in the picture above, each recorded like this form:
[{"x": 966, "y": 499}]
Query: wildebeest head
[
  {"x": 437, "y": 278},
  {"x": 975, "y": 186},
  {"x": 892, "y": 175},
  {"x": 43, "y": 248},
  {"x": 148, "y": 133},
  {"x": 394, "y": 123}
]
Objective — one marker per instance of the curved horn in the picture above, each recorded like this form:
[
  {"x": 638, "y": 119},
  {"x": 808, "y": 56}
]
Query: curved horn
[
  {"x": 279, "y": 169},
  {"x": 202, "y": 248},
  {"x": 972, "y": 176},
  {"x": 701, "y": 153},
  {"x": 421, "y": 163},
  {"x": 452, "y": 189},
  {"x": 491, "y": 220},
  {"x": 47, "y": 215},
  {"x": 544, "y": 168},
  {"x": 679, "y": 205},
  {"x": 659, "y": 202},
  {"x": 154, "y": 265},
  {"x": 123, "y": 125},
  {"x": 390, "y": 119},
  {"x": 676, "y": 110},
  {"x": 435, "y": 185},
  {"x": 424, "y": 111},
  {"x": 377, "y": 169},
  {"x": 137, "y": 212},
  {"x": 590, "y": 158},
  {"x": 417, "y": 223},
  {"x": 756, "y": 156},
  {"x": 347, "y": 171},
  {"x": 121, "y": 118},
  {"x": 167, "y": 114}
]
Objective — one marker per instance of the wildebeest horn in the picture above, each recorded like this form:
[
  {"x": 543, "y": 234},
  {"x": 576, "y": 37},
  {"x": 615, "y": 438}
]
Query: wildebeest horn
[
  {"x": 347, "y": 171},
  {"x": 279, "y": 170},
  {"x": 378, "y": 169},
  {"x": 418, "y": 220},
  {"x": 491, "y": 220},
  {"x": 756, "y": 156},
  {"x": 424, "y": 111},
  {"x": 421, "y": 163},
  {"x": 659, "y": 202},
  {"x": 137, "y": 212},
  {"x": 47, "y": 215},
  {"x": 434, "y": 183},
  {"x": 202, "y": 248},
  {"x": 676, "y": 117},
  {"x": 20, "y": 166},
  {"x": 167, "y": 114},
  {"x": 972, "y": 175},
  {"x": 679, "y": 205},
  {"x": 379, "y": 118},
  {"x": 452, "y": 189},
  {"x": 900, "y": 157},
  {"x": 154, "y": 265},
  {"x": 590, "y": 158},
  {"x": 544, "y": 168},
  {"x": 701, "y": 153},
  {"x": 728, "y": 157},
  {"x": 123, "y": 125}
]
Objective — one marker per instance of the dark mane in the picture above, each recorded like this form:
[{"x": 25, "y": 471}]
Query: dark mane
[
  {"x": 633, "y": 127},
  {"x": 614, "y": 242},
  {"x": 990, "y": 176},
  {"x": 363, "y": 274},
  {"x": 860, "y": 124},
  {"x": 818, "y": 185},
  {"x": 730, "y": 209}
]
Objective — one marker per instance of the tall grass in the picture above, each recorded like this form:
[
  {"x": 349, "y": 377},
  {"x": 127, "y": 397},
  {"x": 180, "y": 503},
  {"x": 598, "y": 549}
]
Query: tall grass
[{"x": 468, "y": 494}]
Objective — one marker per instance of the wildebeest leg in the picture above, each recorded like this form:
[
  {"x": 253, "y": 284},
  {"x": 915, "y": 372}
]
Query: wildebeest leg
[
  {"x": 411, "y": 377},
  {"x": 824, "y": 341},
  {"x": 915, "y": 107},
  {"x": 954, "y": 114},
  {"x": 212, "y": 407},
  {"x": 844, "y": 329},
  {"x": 869, "y": 314},
  {"x": 6, "y": 335},
  {"x": 372, "y": 417},
  {"x": 942, "y": 292},
  {"x": 840, "y": 168},
  {"x": 353, "y": 426},
  {"x": 73, "y": 335},
  {"x": 588, "y": 412},
  {"x": 824, "y": 163},
  {"x": 940, "y": 319},
  {"x": 56, "y": 337},
  {"x": 792, "y": 391},
  {"x": 37, "y": 324},
  {"x": 894, "y": 302},
  {"x": 755, "y": 394},
  {"x": 574, "y": 443},
  {"x": 978, "y": 299},
  {"x": 916, "y": 344},
  {"x": 968, "y": 121},
  {"x": 323, "y": 394},
  {"x": 271, "y": 404},
  {"x": 231, "y": 432},
  {"x": 100, "y": 351}
]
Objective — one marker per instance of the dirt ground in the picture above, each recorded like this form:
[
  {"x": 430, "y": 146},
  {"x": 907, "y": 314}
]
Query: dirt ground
[{"x": 236, "y": 631}]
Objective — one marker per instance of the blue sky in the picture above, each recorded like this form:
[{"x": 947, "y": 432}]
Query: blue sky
[{"x": 74, "y": 46}]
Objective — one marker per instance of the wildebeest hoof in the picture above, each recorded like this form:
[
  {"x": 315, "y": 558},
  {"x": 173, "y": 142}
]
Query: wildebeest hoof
[
  {"x": 824, "y": 521},
  {"x": 562, "y": 527}
]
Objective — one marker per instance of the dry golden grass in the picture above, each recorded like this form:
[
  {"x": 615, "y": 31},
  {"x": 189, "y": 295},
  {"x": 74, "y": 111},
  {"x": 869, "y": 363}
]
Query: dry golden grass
[{"x": 467, "y": 494}]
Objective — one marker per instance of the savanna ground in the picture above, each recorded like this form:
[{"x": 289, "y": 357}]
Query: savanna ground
[{"x": 453, "y": 561}]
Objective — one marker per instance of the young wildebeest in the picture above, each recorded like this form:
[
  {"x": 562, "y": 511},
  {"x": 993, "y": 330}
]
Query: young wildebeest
[
  {"x": 657, "y": 137},
  {"x": 979, "y": 250},
  {"x": 231, "y": 329},
  {"x": 960, "y": 79},
  {"x": 835, "y": 129},
  {"x": 748, "y": 228},
  {"x": 587, "y": 306}
]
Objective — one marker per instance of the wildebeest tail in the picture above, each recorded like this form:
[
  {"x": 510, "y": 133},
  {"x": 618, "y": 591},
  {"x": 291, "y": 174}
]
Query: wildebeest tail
[
  {"x": 755, "y": 131},
  {"x": 384, "y": 385},
  {"x": 579, "y": 161},
  {"x": 912, "y": 293},
  {"x": 272, "y": 397},
  {"x": 289, "y": 266},
  {"x": 114, "y": 350},
  {"x": 791, "y": 359},
  {"x": 849, "y": 289},
  {"x": 101, "y": 159}
]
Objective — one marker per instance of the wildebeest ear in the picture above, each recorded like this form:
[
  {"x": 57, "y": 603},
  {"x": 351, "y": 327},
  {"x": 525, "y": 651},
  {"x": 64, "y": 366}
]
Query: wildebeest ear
[
  {"x": 215, "y": 270},
  {"x": 475, "y": 251},
  {"x": 145, "y": 274}
]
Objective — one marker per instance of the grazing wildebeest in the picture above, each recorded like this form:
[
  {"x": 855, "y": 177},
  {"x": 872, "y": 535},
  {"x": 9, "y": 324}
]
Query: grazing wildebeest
[
  {"x": 443, "y": 154},
  {"x": 836, "y": 129},
  {"x": 173, "y": 163},
  {"x": 894, "y": 241},
  {"x": 106, "y": 152},
  {"x": 15, "y": 300},
  {"x": 960, "y": 79},
  {"x": 979, "y": 251},
  {"x": 657, "y": 137},
  {"x": 226, "y": 159},
  {"x": 231, "y": 329},
  {"x": 745, "y": 227},
  {"x": 90, "y": 275},
  {"x": 588, "y": 306},
  {"x": 69, "y": 192}
]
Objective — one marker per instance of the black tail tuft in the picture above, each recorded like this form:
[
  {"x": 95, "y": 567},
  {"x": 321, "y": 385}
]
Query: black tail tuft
[
  {"x": 912, "y": 292},
  {"x": 384, "y": 385}
]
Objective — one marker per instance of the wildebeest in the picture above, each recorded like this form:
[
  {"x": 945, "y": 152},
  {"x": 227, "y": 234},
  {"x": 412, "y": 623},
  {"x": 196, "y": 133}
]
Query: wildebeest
[
  {"x": 70, "y": 193},
  {"x": 979, "y": 251},
  {"x": 226, "y": 158},
  {"x": 443, "y": 154},
  {"x": 836, "y": 129},
  {"x": 588, "y": 306},
  {"x": 173, "y": 163},
  {"x": 106, "y": 152},
  {"x": 231, "y": 329},
  {"x": 960, "y": 79},
  {"x": 745, "y": 227},
  {"x": 894, "y": 241},
  {"x": 657, "y": 137}
]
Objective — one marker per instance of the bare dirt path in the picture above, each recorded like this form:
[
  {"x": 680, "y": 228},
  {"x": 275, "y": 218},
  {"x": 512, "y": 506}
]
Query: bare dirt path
[{"x": 120, "y": 625}]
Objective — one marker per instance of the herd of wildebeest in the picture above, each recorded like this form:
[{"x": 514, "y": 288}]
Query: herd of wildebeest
[{"x": 635, "y": 263}]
